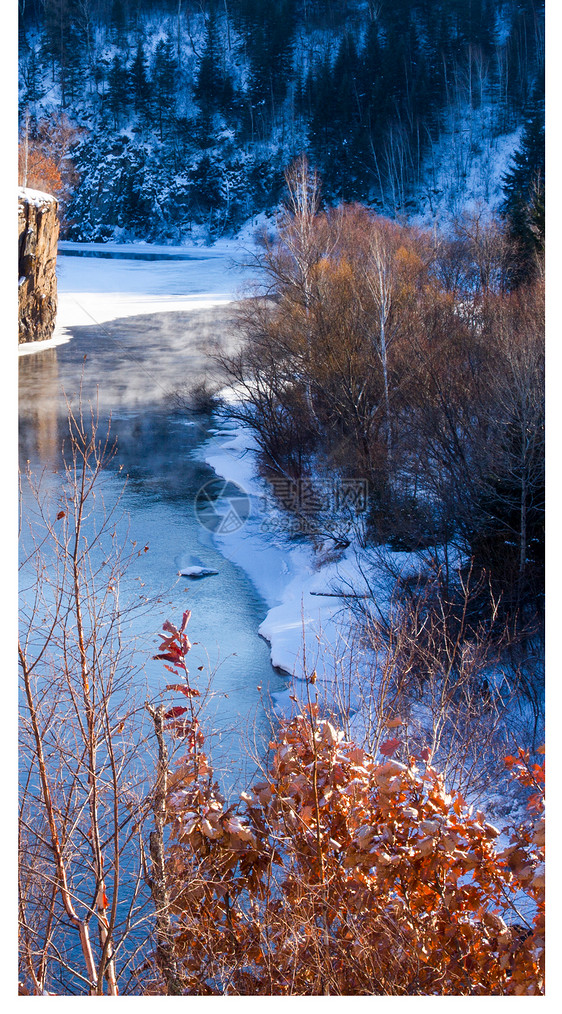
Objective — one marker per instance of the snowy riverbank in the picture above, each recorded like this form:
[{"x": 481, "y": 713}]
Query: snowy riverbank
[
  {"x": 308, "y": 588},
  {"x": 300, "y": 623}
]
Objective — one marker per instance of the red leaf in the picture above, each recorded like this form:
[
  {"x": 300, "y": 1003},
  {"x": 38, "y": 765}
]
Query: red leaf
[
  {"x": 61, "y": 514},
  {"x": 425, "y": 754},
  {"x": 389, "y": 747},
  {"x": 175, "y": 712},
  {"x": 185, "y": 620},
  {"x": 186, "y": 691}
]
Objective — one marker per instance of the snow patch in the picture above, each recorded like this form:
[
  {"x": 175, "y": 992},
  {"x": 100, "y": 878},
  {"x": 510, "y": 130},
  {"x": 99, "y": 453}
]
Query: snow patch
[
  {"x": 96, "y": 290},
  {"x": 307, "y": 624},
  {"x": 30, "y": 348},
  {"x": 36, "y": 198}
]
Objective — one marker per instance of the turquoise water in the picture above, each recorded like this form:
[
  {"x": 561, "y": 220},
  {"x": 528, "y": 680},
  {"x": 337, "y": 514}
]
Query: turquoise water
[{"x": 157, "y": 471}]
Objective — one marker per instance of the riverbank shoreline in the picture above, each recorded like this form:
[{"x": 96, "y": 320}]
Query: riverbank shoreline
[
  {"x": 177, "y": 306},
  {"x": 305, "y": 585}
]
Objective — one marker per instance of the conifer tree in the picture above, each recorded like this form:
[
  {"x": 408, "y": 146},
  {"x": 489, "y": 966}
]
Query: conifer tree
[
  {"x": 33, "y": 89},
  {"x": 270, "y": 35},
  {"x": 213, "y": 89},
  {"x": 118, "y": 88},
  {"x": 62, "y": 44},
  {"x": 164, "y": 79},
  {"x": 524, "y": 189},
  {"x": 139, "y": 82},
  {"x": 118, "y": 19}
]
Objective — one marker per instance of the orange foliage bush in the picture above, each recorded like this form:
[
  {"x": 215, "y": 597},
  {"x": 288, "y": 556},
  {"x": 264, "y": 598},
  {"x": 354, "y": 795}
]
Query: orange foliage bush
[
  {"x": 346, "y": 874},
  {"x": 44, "y": 159},
  {"x": 42, "y": 172}
]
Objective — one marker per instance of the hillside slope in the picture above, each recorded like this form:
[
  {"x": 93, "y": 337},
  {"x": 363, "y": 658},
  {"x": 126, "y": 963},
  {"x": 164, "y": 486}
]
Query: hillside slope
[{"x": 167, "y": 120}]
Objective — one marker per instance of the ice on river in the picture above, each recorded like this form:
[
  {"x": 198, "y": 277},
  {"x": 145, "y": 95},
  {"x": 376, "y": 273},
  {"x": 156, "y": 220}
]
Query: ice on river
[
  {"x": 138, "y": 332},
  {"x": 96, "y": 290}
]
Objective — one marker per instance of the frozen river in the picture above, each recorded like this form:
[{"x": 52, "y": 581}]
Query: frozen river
[{"x": 136, "y": 336}]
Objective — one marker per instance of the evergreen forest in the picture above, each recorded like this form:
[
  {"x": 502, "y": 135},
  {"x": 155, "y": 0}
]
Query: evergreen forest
[{"x": 174, "y": 119}]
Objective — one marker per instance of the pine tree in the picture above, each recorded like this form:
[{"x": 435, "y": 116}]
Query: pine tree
[
  {"x": 118, "y": 88},
  {"x": 139, "y": 82},
  {"x": 118, "y": 19},
  {"x": 322, "y": 126},
  {"x": 205, "y": 180},
  {"x": 269, "y": 30},
  {"x": 213, "y": 90},
  {"x": 164, "y": 80},
  {"x": 63, "y": 45},
  {"x": 33, "y": 91},
  {"x": 337, "y": 120},
  {"x": 524, "y": 189}
]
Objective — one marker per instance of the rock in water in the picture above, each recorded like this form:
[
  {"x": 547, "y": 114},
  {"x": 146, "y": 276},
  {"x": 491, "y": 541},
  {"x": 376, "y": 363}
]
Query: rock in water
[
  {"x": 193, "y": 566},
  {"x": 38, "y": 233},
  {"x": 197, "y": 572}
]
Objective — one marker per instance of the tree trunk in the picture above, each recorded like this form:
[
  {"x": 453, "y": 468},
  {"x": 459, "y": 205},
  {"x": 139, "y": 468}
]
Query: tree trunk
[{"x": 158, "y": 883}]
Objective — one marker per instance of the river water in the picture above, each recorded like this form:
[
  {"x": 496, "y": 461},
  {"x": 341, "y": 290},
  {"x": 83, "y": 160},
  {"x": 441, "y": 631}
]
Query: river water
[{"x": 138, "y": 370}]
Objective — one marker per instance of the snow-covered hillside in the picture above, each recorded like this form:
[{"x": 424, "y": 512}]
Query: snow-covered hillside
[{"x": 173, "y": 122}]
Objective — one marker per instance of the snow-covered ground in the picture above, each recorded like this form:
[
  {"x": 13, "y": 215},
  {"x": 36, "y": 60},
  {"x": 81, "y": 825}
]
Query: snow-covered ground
[
  {"x": 300, "y": 622},
  {"x": 307, "y": 587},
  {"x": 464, "y": 174}
]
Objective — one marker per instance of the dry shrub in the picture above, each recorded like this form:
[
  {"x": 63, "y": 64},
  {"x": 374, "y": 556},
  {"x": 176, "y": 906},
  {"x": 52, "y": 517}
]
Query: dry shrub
[{"x": 345, "y": 873}]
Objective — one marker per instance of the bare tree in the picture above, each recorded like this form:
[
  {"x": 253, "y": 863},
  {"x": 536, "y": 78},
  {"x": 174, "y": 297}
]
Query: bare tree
[
  {"x": 82, "y": 895},
  {"x": 299, "y": 235},
  {"x": 380, "y": 278},
  {"x": 488, "y": 251}
]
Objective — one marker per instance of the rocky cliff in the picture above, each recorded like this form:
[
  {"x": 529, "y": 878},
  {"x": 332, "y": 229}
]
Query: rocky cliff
[{"x": 38, "y": 232}]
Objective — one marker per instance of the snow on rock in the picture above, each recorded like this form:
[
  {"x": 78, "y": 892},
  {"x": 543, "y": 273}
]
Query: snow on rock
[
  {"x": 29, "y": 348},
  {"x": 38, "y": 230},
  {"x": 37, "y": 198},
  {"x": 197, "y": 572}
]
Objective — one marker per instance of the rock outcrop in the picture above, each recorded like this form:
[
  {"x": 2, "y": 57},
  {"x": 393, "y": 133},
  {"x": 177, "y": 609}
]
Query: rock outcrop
[{"x": 38, "y": 233}]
